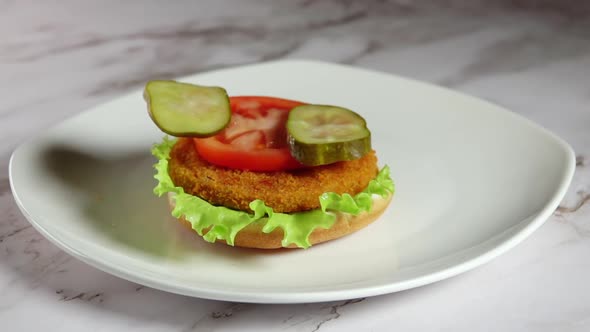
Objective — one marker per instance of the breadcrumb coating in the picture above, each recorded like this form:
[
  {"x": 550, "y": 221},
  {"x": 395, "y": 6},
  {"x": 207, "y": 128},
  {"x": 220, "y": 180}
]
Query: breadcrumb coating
[{"x": 286, "y": 191}]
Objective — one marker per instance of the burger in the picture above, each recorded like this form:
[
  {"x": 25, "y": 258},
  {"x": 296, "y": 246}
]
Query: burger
[{"x": 264, "y": 172}]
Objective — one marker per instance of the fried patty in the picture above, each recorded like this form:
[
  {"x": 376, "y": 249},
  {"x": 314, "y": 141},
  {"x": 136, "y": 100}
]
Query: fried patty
[{"x": 286, "y": 191}]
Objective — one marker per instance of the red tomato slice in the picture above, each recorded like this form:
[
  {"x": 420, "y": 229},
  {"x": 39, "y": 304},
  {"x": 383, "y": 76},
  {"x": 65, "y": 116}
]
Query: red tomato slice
[{"x": 256, "y": 137}]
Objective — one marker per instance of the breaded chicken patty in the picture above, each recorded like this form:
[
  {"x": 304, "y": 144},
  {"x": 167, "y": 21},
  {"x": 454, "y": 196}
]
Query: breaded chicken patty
[{"x": 286, "y": 191}]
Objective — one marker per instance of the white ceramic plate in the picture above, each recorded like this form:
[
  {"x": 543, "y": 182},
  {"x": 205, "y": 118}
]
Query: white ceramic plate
[{"x": 472, "y": 181}]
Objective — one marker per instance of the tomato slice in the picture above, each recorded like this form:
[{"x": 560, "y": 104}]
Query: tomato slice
[{"x": 256, "y": 137}]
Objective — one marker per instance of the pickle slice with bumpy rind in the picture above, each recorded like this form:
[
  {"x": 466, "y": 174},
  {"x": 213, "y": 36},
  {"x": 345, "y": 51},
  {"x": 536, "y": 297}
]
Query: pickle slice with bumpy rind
[
  {"x": 188, "y": 110},
  {"x": 324, "y": 134}
]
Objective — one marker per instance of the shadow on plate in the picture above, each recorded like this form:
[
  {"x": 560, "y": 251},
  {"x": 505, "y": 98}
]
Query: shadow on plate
[{"x": 119, "y": 203}]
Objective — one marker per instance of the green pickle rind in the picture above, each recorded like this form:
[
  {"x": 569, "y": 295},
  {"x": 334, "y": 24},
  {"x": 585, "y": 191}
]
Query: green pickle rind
[
  {"x": 161, "y": 95},
  {"x": 330, "y": 150},
  {"x": 225, "y": 223}
]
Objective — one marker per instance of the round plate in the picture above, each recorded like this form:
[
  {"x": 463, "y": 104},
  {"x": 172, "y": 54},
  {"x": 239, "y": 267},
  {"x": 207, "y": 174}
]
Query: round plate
[{"x": 472, "y": 180}]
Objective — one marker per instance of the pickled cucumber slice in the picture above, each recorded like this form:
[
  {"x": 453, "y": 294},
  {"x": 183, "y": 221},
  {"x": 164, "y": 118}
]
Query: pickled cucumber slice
[
  {"x": 324, "y": 134},
  {"x": 182, "y": 109}
]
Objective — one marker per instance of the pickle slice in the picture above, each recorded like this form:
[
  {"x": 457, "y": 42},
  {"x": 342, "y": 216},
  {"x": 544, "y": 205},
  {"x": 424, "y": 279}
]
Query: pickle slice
[
  {"x": 182, "y": 109},
  {"x": 324, "y": 134}
]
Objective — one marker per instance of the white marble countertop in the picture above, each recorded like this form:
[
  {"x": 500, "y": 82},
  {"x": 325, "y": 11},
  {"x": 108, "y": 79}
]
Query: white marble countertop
[{"x": 58, "y": 58}]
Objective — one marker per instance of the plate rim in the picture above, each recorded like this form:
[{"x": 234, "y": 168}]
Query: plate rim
[{"x": 324, "y": 295}]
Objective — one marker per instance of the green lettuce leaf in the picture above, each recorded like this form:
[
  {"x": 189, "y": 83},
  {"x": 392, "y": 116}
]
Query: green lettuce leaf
[
  {"x": 165, "y": 184},
  {"x": 224, "y": 224}
]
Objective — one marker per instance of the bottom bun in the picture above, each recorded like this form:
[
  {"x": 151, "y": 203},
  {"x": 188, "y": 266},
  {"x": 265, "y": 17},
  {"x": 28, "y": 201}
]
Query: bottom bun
[{"x": 253, "y": 237}]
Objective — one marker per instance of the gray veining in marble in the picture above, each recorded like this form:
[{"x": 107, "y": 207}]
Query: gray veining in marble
[{"x": 59, "y": 58}]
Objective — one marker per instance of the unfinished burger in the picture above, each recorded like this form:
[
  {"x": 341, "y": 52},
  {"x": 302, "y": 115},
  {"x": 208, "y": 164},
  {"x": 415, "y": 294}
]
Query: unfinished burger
[{"x": 264, "y": 172}]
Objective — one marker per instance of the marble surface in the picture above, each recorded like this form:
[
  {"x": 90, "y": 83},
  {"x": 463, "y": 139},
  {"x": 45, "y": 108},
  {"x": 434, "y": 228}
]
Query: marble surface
[{"x": 60, "y": 57}]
